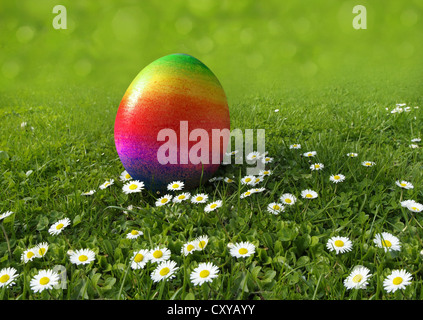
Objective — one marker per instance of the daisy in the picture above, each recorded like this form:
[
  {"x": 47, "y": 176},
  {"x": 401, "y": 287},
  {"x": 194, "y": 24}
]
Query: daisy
[
  {"x": 7, "y": 277},
  {"x": 82, "y": 256},
  {"x": 257, "y": 190},
  {"x": 404, "y": 184},
  {"x": 164, "y": 271},
  {"x": 309, "y": 194},
  {"x": 368, "y": 163},
  {"x": 415, "y": 206},
  {"x": 232, "y": 153},
  {"x": 257, "y": 180},
  {"x": 181, "y": 197},
  {"x": 387, "y": 241},
  {"x": 416, "y": 140},
  {"x": 134, "y": 234},
  {"x": 163, "y": 200},
  {"x": 265, "y": 173},
  {"x": 41, "y": 249},
  {"x": 159, "y": 255},
  {"x": 335, "y": 178},
  {"x": 88, "y": 193},
  {"x": 199, "y": 198},
  {"x": 189, "y": 248},
  {"x": 288, "y": 199},
  {"x": 398, "y": 279},
  {"x": 352, "y": 155},
  {"x": 205, "y": 272},
  {"x": 125, "y": 176},
  {"x": 5, "y": 214},
  {"x": 133, "y": 186},
  {"x": 28, "y": 255},
  {"x": 413, "y": 146},
  {"x": 175, "y": 186},
  {"x": 45, "y": 279},
  {"x": 242, "y": 249},
  {"x": 106, "y": 184},
  {"x": 246, "y": 194},
  {"x": 275, "y": 208},
  {"x": 317, "y": 166},
  {"x": 248, "y": 180},
  {"x": 213, "y": 206},
  {"x": 253, "y": 156},
  {"x": 139, "y": 259},
  {"x": 201, "y": 242},
  {"x": 58, "y": 227},
  {"x": 339, "y": 244},
  {"x": 407, "y": 203},
  {"x": 358, "y": 278},
  {"x": 266, "y": 160},
  {"x": 228, "y": 180},
  {"x": 310, "y": 154},
  {"x": 295, "y": 146}
]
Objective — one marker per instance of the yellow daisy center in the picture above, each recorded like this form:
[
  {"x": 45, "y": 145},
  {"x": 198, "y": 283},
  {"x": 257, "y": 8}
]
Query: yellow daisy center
[
  {"x": 164, "y": 200},
  {"x": 157, "y": 254},
  {"x": 127, "y": 176},
  {"x": 276, "y": 207},
  {"x": 266, "y": 172},
  {"x": 199, "y": 198},
  {"x": 294, "y": 145},
  {"x": 82, "y": 258},
  {"x": 309, "y": 195},
  {"x": 339, "y": 243},
  {"x": 134, "y": 232},
  {"x": 229, "y": 180},
  {"x": 397, "y": 281},
  {"x": 133, "y": 186},
  {"x": 247, "y": 193},
  {"x": 204, "y": 273},
  {"x": 44, "y": 281},
  {"x": 202, "y": 244},
  {"x": 175, "y": 185},
  {"x": 4, "y": 278},
  {"x": 139, "y": 257},
  {"x": 29, "y": 254},
  {"x": 368, "y": 164},
  {"x": 181, "y": 197},
  {"x": 214, "y": 205},
  {"x": 243, "y": 251},
  {"x": 248, "y": 180},
  {"x": 414, "y": 208},
  {"x": 288, "y": 200},
  {"x": 403, "y": 184},
  {"x": 42, "y": 251},
  {"x": 317, "y": 166},
  {"x": 337, "y": 177},
  {"x": 357, "y": 278},
  {"x": 164, "y": 271},
  {"x": 59, "y": 226},
  {"x": 386, "y": 243},
  {"x": 190, "y": 247}
]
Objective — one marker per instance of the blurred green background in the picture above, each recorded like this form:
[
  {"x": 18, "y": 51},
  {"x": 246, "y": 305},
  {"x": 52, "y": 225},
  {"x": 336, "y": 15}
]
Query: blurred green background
[{"x": 252, "y": 46}]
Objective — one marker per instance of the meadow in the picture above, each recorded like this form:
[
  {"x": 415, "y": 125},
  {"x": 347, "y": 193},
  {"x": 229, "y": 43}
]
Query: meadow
[{"x": 57, "y": 152}]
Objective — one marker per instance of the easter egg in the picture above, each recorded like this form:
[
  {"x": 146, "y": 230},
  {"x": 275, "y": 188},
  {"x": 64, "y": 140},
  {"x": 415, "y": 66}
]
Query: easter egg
[{"x": 172, "y": 123}]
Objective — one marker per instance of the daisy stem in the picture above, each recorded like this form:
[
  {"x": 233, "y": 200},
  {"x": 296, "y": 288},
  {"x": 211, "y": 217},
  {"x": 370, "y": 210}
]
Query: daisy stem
[{"x": 7, "y": 240}]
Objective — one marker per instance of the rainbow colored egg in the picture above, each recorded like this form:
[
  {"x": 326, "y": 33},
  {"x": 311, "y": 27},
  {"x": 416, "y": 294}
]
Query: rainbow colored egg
[{"x": 168, "y": 119}]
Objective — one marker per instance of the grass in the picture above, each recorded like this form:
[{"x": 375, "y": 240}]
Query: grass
[{"x": 68, "y": 144}]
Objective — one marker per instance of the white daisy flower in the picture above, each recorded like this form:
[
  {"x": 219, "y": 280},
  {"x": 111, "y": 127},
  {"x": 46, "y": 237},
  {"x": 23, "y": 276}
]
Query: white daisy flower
[
  {"x": 139, "y": 259},
  {"x": 257, "y": 190},
  {"x": 181, "y": 197},
  {"x": 335, "y": 178},
  {"x": 201, "y": 242},
  {"x": 413, "y": 146},
  {"x": 407, "y": 203},
  {"x": 265, "y": 173},
  {"x": 159, "y": 254},
  {"x": 398, "y": 279},
  {"x": 248, "y": 180},
  {"x": 7, "y": 277},
  {"x": 317, "y": 166},
  {"x": 416, "y": 140},
  {"x": 404, "y": 184},
  {"x": 133, "y": 186},
  {"x": 309, "y": 194},
  {"x": 352, "y": 155},
  {"x": 134, "y": 234},
  {"x": 5, "y": 214},
  {"x": 45, "y": 279},
  {"x": 246, "y": 194},
  {"x": 213, "y": 206},
  {"x": 163, "y": 200},
  {"x": 82, "y": 256},
  {"x": 368, "y": 163},
  {"x": 175, "y": 186},
  {"x": 387, "y": 241},
  {"x": 88, "y": 193},
  {"x": 164, "y": 271},
  {"x": 415, "y": 206},
  {"x": 58, "y": 227},
  {"x": 232, "y": 153},
  {"x": 358, "y": 278},
  {"x": 41, "y": 249},
  {"x": 267, "y": 160},
  {"x": 295, "y": 146},
  {"x": 199, "y": 198},
  {"x": 242, "y": 249},
  {"x": 107, "y": 183},
  {"x": 189, "y": 248},
  {"x": 288, "y": 199},
  {"x": 339, "y": 244},
  {"x": 125, "y": 176},
  {"x": 228, "y": 180},
  {"x": 309, "y": 154},
  {"x": 205, "y": 272},
  {"x": 275, "y": 208},
  {"x": 29, "y": 255},
  {"x": 257, "y": 180},
  {"x": 253, "y": 156}
]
